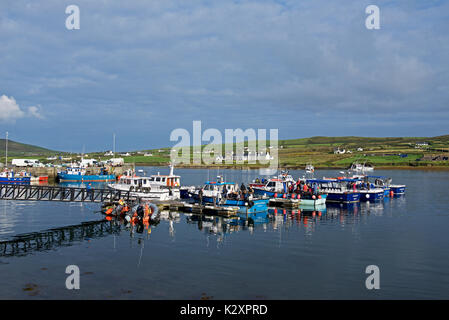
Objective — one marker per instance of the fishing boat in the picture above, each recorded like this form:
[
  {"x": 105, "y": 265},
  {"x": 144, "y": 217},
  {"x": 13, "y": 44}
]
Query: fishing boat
[
  {"x": 337, "y": 190},
  {"x": 157, "y": 186},
  {"x": 370, "y": 193},
  {"x": 78, "y": 174},
  {"x": 397, "y": 189},
  {"x": 221, "y": 193},
  {"x": 277, "y": 184},
  {"x": 281, "y": 188},
  {"x": 11, "y": 177},
  {"x": 310, "y": 168},
  {"x": 359, "y": 167},
  {"x": 385, "y": 184}
]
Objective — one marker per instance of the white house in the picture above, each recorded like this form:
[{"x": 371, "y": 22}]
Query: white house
[
  {"x": 148, "y": 154},
  {"x": 109, "y": 154},
  {"x": 338, "y": 151}
]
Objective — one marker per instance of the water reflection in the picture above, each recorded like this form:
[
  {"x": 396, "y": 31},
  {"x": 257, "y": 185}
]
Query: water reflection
[
  {"x": 274, "y": 219},
  {"x": 51, "y": 239}
]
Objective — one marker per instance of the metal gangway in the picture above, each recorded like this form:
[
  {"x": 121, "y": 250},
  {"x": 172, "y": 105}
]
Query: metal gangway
[
  {"x": 48, "y": 240},
  {"x": 58, "y": 193}
]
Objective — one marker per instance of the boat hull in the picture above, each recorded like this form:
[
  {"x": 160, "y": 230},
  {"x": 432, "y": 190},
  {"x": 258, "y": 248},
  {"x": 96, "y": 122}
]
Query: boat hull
[
  {"x": 64, "y": 177},
  {"x": 16, "y": 180},
  {"x": 397, "y": 189},
  {"x": 250, "y": 206},
  {"x": 308, "y": 202},
  {"x": 344, "y": 197},
  {"x": 366, "y": 195}
]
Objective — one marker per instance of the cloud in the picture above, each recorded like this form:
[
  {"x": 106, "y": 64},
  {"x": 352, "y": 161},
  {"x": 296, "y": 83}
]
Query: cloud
[
  {"x": 35, "y": 112},
  {"x": 10, "y": 110},
  {"x": 251, "y": 63}
]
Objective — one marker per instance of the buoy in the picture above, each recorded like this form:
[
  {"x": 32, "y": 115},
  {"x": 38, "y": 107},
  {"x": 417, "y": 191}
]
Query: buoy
[
  {"x": 293, "y": 195},
  {"x": 275, "y": 195},
  {"x": 391, "y": 193},
  {"x": 284, "y": 196}
]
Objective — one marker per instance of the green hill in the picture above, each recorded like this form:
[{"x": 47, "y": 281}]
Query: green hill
[
  {"x": 21, "y": 149},
  {"x": 320, "y": 151}
]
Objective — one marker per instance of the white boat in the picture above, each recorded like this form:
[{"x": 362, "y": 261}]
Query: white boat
[
  {"x": 310, "y": 168},
  {"x": 359, "y": 167},
  {"x": 155, "y": 187}
]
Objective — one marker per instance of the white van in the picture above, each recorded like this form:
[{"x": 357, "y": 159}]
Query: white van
[
  {"x": 88, "y": 162},
  {"x": 115, "y": 162},
  {"x": 24, "y": 162}
]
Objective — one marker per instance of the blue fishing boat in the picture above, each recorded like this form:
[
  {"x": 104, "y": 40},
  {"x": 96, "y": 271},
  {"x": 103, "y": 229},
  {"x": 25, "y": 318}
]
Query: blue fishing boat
[
  {"x": 337, "y": 190},
  {"x": 376, "y": 194},
  {"x": 10, "y": 177},
  {"x": 78, "y": 174},
  {"x": 368, "y": 191},
  {"x": 279, "y": 188},
  {"x": 389, "y": 188},
  {"x": 397, "y": 189},
  {"x": 222, "y": 193}
]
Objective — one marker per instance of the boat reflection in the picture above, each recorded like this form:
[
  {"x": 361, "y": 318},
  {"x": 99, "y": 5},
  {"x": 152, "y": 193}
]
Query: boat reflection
[{"x": 272, "y": 219}]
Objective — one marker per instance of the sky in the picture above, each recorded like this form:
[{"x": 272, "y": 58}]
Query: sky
[{"x": 141, "y": 69}]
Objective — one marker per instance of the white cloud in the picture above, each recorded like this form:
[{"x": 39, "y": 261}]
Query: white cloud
[
  {"x": 35, "y": 112},
  {"x": 10, "y": 110}
]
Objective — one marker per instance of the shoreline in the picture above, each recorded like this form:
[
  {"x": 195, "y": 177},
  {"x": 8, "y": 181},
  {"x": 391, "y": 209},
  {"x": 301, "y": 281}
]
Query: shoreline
[{"x": 242, "y": 167}]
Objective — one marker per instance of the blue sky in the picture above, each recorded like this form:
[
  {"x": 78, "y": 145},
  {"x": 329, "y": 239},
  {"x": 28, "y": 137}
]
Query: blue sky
[{"x": 143, "y": 68}]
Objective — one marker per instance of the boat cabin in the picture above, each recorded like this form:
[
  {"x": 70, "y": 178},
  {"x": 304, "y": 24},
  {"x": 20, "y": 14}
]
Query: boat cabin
[{"x": 76, "y": 171}]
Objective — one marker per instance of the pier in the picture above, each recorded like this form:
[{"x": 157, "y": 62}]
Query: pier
[{"x": 56, "y": 193}]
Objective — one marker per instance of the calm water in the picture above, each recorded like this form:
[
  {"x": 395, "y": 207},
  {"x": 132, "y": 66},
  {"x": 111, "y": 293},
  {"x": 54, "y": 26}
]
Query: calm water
[{"x": 320, "y": 255}]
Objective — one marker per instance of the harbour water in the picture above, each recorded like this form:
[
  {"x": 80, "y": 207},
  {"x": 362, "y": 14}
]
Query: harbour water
[{"x": 307, "y": 255}]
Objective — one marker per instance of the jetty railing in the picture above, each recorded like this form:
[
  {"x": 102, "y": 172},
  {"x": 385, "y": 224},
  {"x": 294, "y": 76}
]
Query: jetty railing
[{"x": 57, "y": 193}]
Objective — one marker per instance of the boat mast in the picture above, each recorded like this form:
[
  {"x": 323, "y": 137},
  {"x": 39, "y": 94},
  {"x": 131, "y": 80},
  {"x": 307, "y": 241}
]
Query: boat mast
[
  {"x": 6, "y": 153},
  {"x": 113, "y": 144}
]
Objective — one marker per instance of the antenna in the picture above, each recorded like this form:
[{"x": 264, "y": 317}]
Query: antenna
[
  {"x": 113, "y": 144},
  {"x": 6, "y": 154}
]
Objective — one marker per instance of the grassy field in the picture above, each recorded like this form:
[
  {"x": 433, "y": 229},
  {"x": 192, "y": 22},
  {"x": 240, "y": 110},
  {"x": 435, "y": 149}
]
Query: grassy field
[
  {"x": 296, "y": 153},
  {"x": 379, "y": 152}
]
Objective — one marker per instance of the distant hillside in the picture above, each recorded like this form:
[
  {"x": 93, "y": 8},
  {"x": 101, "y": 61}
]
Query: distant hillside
[
  {"x": 340, "y": 152},
  {"x": 21, "y": 149}
]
